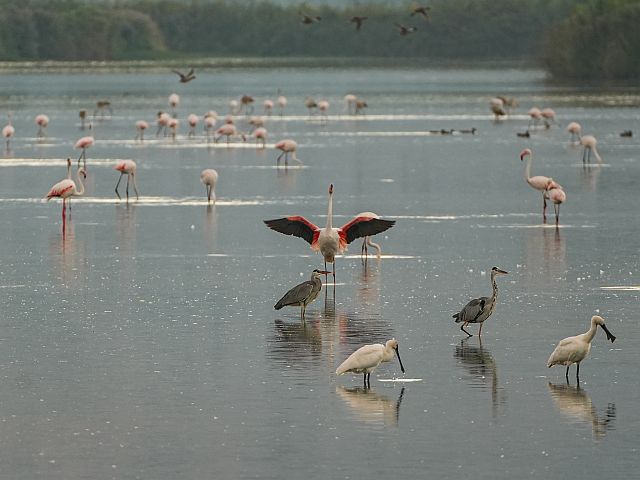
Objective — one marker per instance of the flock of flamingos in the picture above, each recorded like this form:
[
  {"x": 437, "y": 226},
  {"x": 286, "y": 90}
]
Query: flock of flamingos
[{"x": 331, "y": 241}]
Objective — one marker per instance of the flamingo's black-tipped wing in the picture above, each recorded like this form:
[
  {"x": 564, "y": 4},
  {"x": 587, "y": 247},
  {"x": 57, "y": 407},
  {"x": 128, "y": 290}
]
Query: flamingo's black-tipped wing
[
  {"x": 364, "y": 227},
  {"x": 296, "y": 226}
]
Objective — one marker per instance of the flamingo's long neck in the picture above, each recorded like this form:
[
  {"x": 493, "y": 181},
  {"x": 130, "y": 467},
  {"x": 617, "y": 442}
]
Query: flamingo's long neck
[
  {"x": 374, "y": 245},
  {"x": 81, "y": 190},
  {"x": 527, "y": 167},
  {"x": 589, "y": 334},
  {"x": 330, "y": 212}
]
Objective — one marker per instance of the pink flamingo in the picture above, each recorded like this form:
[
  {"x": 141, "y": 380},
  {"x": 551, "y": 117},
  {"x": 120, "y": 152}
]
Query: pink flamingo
[
  {"x": 256, "y": 122},
  {"x": 66, "y": 189},
  {"x": 497, "y": 108},
  {"x": 141, "y": 126},
  {"x": 268, "y": 107},
  {"x": 589, "y": 143},
  {"x": 350, "y": 103},
  {"x": 548, "y": 116},
  {"x": 228, "y": 130},
  {"x": 311, "y": 105},
  {"x": 128, "y": 168},
  {"x": 209, "y": 178},
  {"x": 209, "y": 125},
  {"x": 539, "y": 182},
  {"x": 287, "y": 146},
  {"x": 329, "y": 241},
  {"x": 282, "y": 103},
  {"x": 174, "y": 101},
  {"x": 260, "y": 134},
  {"x": 323, "y": 107},
  {"x": 557, "y": 196},
  {"x": 42, "y": 121},
  {"x": 575, "y": 129},
  {"x": 192, "y": 120},
  {"x": 84, "y": 143},
  {"x": 173, "y": 127},
  {"x": 535, "y": 116},
  {"x": 162, "y": 122}
]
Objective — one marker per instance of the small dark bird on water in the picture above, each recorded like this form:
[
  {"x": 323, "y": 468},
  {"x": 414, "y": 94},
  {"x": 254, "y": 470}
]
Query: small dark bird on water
[
  {"x": 358, "y": 21},
  {"x": 308, "y": 20},
  {"x": 303, "y": 294},
  {"x": 185, "y": 78},
  {"x": 405, "y": 30},
  {"x": 626, "y": 133},
  {"x": 424, "y": 11},
  {"x": 524, "y": 134}
]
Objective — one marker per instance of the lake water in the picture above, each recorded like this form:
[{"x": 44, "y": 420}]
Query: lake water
[{"x": 144, "y": 344}]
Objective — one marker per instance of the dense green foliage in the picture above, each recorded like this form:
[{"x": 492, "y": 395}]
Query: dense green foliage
[
  {"x": 598, "y": 41},
  {"x": 459, "y": 29},
  {"x": 588, "y": 38}
]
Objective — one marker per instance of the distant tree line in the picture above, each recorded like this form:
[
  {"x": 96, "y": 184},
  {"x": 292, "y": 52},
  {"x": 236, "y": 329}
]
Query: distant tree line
[
  {"x": 600, "y": 40},
  {"x": 458, "y": 30}
]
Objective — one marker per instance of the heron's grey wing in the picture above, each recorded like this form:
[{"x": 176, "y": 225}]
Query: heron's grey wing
[
  {"x": 472, "y": 310},
  {"x": 365, "y": 226},
  {"x": 296, "y": 295},
  {"x": 296, "y": 226}
]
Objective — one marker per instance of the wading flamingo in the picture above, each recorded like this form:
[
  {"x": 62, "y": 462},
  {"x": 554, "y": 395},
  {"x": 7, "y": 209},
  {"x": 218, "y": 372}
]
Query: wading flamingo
[
  {"x": 268, "y": 107},
  {"x": 209, "y": 178},
  {"x": 287, "y": 146},
  {"x": 260, "y": 135},
  {"x": 557, "y": 196},
  {"x": 162, "y": 122},
  {"x": 128, "y": 168},
  {"x": 8, "y": 131},
  {"x": 329, "y": 241},
  {"x": 366, "y": 241},
  {"x": 282, "y": 103},
  {"x": 141, "y": 126},
  {"x": 84, "y": 143},
  {"x": 548, "y": 117},
  {"x": 575, "y": 129},
  {"x": 350, "y": 103},
  {"x": 497, "y": 108},
  {"x": 42, "y": 121},
  {"x": 366, "y": 359},
  {"x": 66, "y": 189},
  {"x": 192, "y": 120},
  {"x": 228, "y": 130},
  {"x": 174, "y": 101},
  {"x": 575, "y": 349},
  {"x": 589, "y": 144},
  {"x": 538, "y": 182},
  {"x": 535, "y": 116}
]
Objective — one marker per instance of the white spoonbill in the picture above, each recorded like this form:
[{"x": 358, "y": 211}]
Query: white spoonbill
[
  {"x": 209, "y": 178},
  {"x": 589, "y": 144},
  {"x": 539, "y": 182},
  {"x": 557, "y": 196},
  {"x": 287, "y": 146},
  {"x": 575, "y": 349},
  {"x": 479, "y": 309},
  {"x": 303, "y": 294},
  {"x": 366, "y": 359},
  {"x": 128, "y": 168},
  {"x": 329, "y": 241},
  {"x": 84, "y": 143},
  {"x": 42, "y": 121},
  {"x": 575, "y": 129},
  {"x": 66, "y": 189}
]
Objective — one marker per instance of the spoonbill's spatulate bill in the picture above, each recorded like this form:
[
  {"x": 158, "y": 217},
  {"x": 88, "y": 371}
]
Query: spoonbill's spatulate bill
[{"x": 575, "y": 349}]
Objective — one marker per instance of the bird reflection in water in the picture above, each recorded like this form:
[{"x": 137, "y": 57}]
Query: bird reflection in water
[
  {"x": 210, "y": 228},
  {"x": 287, "y": 178},
  {"x": 71, "y": 256},
  {"x": 296, "y": 344},
  {"x": 370, "y": 406},
  {"x": 546, "y": 257},
  {"x": 126, "y": 228},
  {"x": 575, "y": 403},
  {"x": 481, "y": 367},
  {"x": 589, "y": 176},
  {"x": 368, "y": 284}
]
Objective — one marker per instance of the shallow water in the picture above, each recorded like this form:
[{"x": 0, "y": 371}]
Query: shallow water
[{"x": 143, "y": 343}]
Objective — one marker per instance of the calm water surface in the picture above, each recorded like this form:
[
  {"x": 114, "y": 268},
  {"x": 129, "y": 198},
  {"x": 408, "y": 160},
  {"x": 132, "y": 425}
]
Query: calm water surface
[{"x": 144, "y": 344}]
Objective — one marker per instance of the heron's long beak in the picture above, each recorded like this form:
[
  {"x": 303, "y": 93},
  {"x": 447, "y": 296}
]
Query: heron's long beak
[
  {"x": 610, "y": 336},
  {"x": 398, "y": 355},
  {"x": 502, "y": 272},
  {"x": 324, "y": 272}
]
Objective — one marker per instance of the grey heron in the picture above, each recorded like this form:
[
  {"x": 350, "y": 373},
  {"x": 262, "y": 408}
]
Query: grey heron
[
  {"x": 366, "y": 359},
  {"x": 329, "y": 241},
  {"x": 575, "y": 349},
  {"x": 479, "y": 309},
  {"x": 303, "y": 294}
]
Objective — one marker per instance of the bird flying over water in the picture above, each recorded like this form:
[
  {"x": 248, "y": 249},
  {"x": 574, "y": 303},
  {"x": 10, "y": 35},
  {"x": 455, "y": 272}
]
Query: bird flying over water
[
  {"x": 185, "y": 78},
  {"x": 424, "y": 11},
  {"x": 308, "y": 19},
  {"x": 405, "y": 30},
  {"x": 358, "y": 21}
]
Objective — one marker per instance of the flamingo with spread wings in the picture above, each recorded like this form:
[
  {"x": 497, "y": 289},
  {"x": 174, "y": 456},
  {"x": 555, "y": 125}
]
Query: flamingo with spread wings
[{"x": 330, "y": 241}]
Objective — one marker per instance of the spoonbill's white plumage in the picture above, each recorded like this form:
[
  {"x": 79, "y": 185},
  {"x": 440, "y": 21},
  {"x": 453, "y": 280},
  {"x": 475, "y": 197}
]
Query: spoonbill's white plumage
[
  {"x": 366, "y": 359},
  {"x": 329, "y": 241},
  {"x": 575, "y": 349},
  {"x": 209, "y": 178}
]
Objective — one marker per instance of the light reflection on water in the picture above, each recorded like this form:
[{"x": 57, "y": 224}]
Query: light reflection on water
[{"x": 144, "y": 342}]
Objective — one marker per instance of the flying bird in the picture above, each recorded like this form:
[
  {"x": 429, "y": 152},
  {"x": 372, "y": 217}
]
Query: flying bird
[
  {"x": 185, "y": 78},
  {"x": 575, "y": 349},
  {"x": 479, "y": 309},
  {"x": 405, "y": 30},
  {"x": 366, "y": 359},
  {"x": 358, "y": 21},
  {"x": 308, "y": 20},
  {"x": 329, "y": 241},
  {"x": 424, "y": 11},
  {"x": 303, "y": 294}
]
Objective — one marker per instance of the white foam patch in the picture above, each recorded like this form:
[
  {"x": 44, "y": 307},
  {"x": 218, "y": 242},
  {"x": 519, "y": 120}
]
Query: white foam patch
[
  {"x": 623, "y": 288},
  {"x": 383, "y": 256},
  {"x": 152, "y": 201},
  {"x": 540, "y": 226},
  {"x": 400, "y": 380},
  {"x": 57, "y": 162}
]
